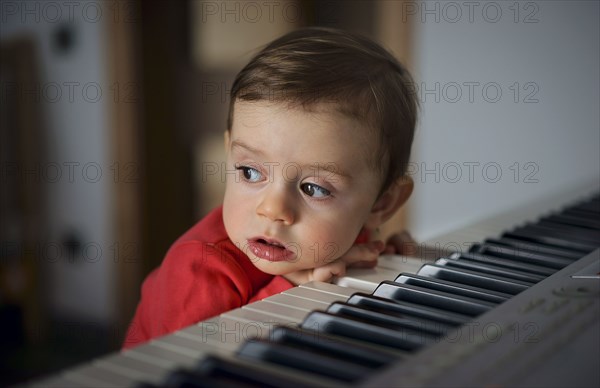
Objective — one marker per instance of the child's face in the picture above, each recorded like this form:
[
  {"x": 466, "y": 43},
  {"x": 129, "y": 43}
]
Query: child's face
[{"x": 299, "y": 184}]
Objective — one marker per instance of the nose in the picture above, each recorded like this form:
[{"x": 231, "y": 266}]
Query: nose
[{"x": 276, "y": 205}]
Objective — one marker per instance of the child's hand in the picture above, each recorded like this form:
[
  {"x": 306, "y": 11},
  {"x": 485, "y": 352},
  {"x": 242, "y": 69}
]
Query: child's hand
[
  {"x": 358, "y": 256},
  {"x": 401, "y": 244}
]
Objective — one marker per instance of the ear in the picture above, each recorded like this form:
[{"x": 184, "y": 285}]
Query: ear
[{"x": 390, "y": 201}]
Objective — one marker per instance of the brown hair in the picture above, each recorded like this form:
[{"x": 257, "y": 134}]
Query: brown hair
[{"x": 313, "y": 65}]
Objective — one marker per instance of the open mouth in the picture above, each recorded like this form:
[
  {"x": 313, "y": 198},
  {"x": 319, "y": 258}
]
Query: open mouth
[
  {"x": 270, "y": 250},
  {"x": 270, "y": 242}
]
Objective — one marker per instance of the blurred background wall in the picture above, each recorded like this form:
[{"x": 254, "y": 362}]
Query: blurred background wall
[
  {"x": 58, "y": 296},
  {"x": 510, "y": 99},
  {"x": 112, "y": 114}
]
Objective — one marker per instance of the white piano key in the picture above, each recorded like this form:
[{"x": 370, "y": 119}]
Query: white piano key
[
  {"x": 262, "y": 318},
  {"x": 184, "y": 346},
  {"x": 90, "y": 375},
  {"x": 399, "y": 263},
  {"x": 366, "y": 279},
  {"x": 456, "y": 241},
  {"x": 205, "y": 332},
  {"x": 300, "y": 378},
  {"x": 55, "y": 382},
  {"x": 225, "y": 332},
  {"x": 288, "y": 313},
  {"x": 330, "y": 288},
  {"x": 311, "y": 294},
  {"x": 194, "y": 342},
  {"x": 491, "y": 228},
  {"x": 161, "y": 353},
  {"x": 388, "y": 268},
  {"x": 158, "y": 356},
  {"x": 132, "y": 368},
  {"x": 296, "y": 302},
  {"x": 498, "y": 225}
]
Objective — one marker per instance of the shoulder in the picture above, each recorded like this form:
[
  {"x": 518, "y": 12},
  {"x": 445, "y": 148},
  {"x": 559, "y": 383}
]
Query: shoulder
[
  {"x": 210, "y": 229},
  {"x": 204, "y": 256},
  {"x": 206, "y": 248},
  {"x": 205, "y": 253}
]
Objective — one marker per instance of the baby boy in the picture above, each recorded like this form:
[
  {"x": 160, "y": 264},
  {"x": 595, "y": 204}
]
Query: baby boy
[{"x": 318, "y": 138}]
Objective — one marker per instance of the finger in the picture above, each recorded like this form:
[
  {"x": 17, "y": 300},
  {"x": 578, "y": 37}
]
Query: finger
[
  {"x": 298, "y": 277},
  {"x": 403, "y": 243},
  {"x": 328, "y": 271},
  {"x": 389, "y": 249},
  {"x": 404, "y": 237},
  {"x": 363, "y": 264},
  {"x": 363, "y": 252}
]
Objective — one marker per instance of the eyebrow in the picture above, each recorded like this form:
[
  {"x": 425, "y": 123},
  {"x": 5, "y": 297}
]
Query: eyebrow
[
  {"x": 330, "y": 167},
  {"x": 237, "y": 143}
]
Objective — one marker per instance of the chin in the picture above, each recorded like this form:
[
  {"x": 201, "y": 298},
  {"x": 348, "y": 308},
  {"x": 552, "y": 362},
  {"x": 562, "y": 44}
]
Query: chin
[{"x": 273, "y": 268}]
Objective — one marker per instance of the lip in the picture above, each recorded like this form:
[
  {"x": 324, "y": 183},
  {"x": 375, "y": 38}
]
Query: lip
[{"x": 269, "y": 249}]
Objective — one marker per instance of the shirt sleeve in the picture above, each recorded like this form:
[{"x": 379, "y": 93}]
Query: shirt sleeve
[
  {"x": 193, "y": 283},
  {"x": 276, "y": 285}
]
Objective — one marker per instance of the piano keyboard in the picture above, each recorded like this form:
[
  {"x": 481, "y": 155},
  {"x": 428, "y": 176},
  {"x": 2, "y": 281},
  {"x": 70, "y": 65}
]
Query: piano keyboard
[
  {"x": 460, "y": 239},
  {"x": 518, "y": 309}
]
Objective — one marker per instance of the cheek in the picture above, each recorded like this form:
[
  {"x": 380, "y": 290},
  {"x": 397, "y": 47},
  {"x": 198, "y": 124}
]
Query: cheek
[
  {"x": 233, "y": 208},
  {"x": 325, "y": 242}
]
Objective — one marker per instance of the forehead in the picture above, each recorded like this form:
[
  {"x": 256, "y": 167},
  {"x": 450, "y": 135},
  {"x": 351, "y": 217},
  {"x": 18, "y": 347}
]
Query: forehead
[
  {"x": 320, "y": 132},
  {"x": 326, "y": 118}
]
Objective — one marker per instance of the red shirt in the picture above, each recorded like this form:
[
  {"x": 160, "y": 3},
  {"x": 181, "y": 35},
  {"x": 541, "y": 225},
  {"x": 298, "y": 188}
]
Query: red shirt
[{"x": 203, "y": 275}]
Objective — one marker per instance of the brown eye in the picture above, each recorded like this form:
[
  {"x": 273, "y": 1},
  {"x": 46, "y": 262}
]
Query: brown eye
[
  {"x": 250, "y": 174},
  {"x": 314, "y": 191}
]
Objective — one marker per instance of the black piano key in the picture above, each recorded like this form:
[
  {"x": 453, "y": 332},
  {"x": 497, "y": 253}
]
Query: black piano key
[
  {"x": 413, "y": 309},
  {"x": 536, "y": 247},
  {"x": 182, "y": 378},
  {"x": 575, "y": 220},
  {"x": 302, "y": 359},
  {"x": 491, "y": 269},
  {"x": 338, "y": 347},
  {"x": 433, "y": 298},
  {"x": 404, "y": 339},
  {"x": 579, "y": 213},
  {"x": 474, "y": 278},
  {"x": 216, "y": 372},
  {"x": 453, "y": 288},
  {"x": 551, "y": 236},
  {"x": 560, "y": 243},
  {"x": 578, "y": 231},
  {"x": 513, "y": 265},
  {"x": 591, "y": 206},
  {"x": 399, "y": 320},
  {"x": 519, "y": 253}
]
